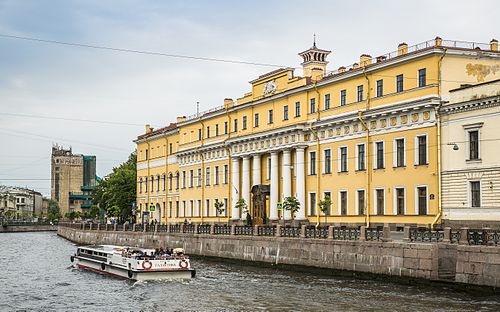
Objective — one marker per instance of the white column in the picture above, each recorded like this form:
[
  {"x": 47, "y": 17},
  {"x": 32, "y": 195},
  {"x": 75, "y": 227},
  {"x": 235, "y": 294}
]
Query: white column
[
  {"x": 235, "y": 188},
  {"x": 300, "y": 180},
  {"x": 286, "y": 172},
  {"x": 245, "y": 183},
  {"x": 274, "y": 197},
  {"x": 256, "y": 170}
]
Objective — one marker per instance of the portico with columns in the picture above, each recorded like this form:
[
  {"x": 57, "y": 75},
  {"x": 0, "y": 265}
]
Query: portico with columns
[{"x": 277, "y": 160}]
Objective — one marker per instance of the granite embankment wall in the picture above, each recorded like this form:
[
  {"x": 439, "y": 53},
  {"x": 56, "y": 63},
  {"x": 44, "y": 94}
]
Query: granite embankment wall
[
  {"x": 27, "y": 228},
  {"x": 478, "y": 265}
]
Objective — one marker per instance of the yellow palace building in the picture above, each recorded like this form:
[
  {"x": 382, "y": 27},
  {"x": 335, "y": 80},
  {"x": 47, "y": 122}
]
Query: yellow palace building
[{"x": 366, "y": 136}]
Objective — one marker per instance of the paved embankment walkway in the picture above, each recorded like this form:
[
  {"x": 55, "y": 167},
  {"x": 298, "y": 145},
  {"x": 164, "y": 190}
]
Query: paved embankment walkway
[{"x": 435, "y": 261}]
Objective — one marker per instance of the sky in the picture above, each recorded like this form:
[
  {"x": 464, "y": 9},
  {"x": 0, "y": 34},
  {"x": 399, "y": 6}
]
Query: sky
[{"x": 112, "y": 95}]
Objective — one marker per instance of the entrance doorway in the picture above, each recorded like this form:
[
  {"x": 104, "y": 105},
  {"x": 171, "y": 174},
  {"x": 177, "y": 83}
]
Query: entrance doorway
[{"x": 259, "y": 199}]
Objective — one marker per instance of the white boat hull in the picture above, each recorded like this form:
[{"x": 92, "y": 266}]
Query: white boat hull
[{"x": 139, "y": 275}]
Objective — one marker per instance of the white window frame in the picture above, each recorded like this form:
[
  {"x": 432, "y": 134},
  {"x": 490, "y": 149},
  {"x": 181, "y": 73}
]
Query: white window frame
[
  {"x": 417, "y": 149},
  {"x": 339, "y": 201},
  {"x": 216, "y": 175},
  {"x": 375, "y": 154},
  {"x": 375, "y": 208},
  {"x": 200, "y": 177},
  {"x": 207, "y": 208},
  {"x": 268, "y": 168},
  {"x": 191, "y": 177},
  {"x": 184, "y": 175},
  {"x": 315, "y": 161},
  {"x": 324, "y": 162},
  {"x": 225, "y": 169},
  {"x": 331, "y": 203},
  {"x": 183, "y": 210},
  {"x": 191, "y": 208},
  {"x": 395, "y": 152},
  {"x": 208, "y": 179},
  {"x": 469, "y": 193},
  {"x": 198, "y": 204},
  {"x": 395, "y": 203},
  {"x": 426, "y": 199},
  {"x": 339, "y": 162},
  {"x": 468, "y": 128},
  {"x": 357, "y": 156},
  {"x": 309, "y": 204},
  {"x": 356, "y": 204}
]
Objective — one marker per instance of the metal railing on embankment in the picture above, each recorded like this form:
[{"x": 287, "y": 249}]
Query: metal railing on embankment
[{"x": 463, "y": 236}]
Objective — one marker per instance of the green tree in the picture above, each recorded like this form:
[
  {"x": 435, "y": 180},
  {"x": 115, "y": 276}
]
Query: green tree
[
  {"x": 324, "y": 206},
  {"x": 71, "y": 215},
  {"x": 219, "y": 206},
  {"x": 243, "y": 207},
  {"x": 115, "y": 194},
  {"x": 53, "y": 212},
  {"x": 291, "y": 204}
]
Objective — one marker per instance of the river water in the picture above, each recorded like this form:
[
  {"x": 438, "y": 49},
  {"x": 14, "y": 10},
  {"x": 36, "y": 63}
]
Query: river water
[{"x": 37, "y": 276}]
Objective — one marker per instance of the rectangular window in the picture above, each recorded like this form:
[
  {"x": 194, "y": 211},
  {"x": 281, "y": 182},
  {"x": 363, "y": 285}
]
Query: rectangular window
[
  {"x": 360, "y": 93},
  {"x": 297, "y": 109},
  {"x": 422, "y": 200},
  {"x": 343, "y": 203},
  {"x": 400, "y": 152},
  {"x": 343, "y": 95},
  {"x": 312, "y": 204},
  {"x": 400, "y": 201},
  {"x": 200, "y": 175},
  {"x": 380, "y": 202},
  {"x": 207, "y": 176},
  {"x": 170, "y": 148},
  {"x": 285, "y": 112},
  {"x": 380, "y": 155},
  {"x": 474, "y": 145},
  {"x": 216, "y": 129},
  {"x": 422, "y": 150},
  {"x": 475, "y": 193},
  {"x": 140, "y": 186},
  {"x": 327, "y": 168},
  {"x": 244, "y": 123},
  {"x": 226, "y": 127},
  {"x": 170, "y": 208},
  {"x": 146, "y": 154},
  {"x": 361, "y": 202},
  {"x": 191, "y": 178},
  {"x": 399, "y": 83},
  {"x": 177, "y": 209},
  {"x": 199, "y": 208},
  {"x": 170, "y": 182},
  {"x": 268, "y": 168},
  {"x": 225, "y": 207},
  {"x": 312, "y": 109},
  {"x": 328, "y": 195},
  {"x": 235, "y": 125},
  {"x": 216, "y": 173},
  {"x": 256, "y": 120},
  {"x": 183, "y": 208},
  {"x": 208, "y": 132},
  {"x": 422, "y": 77},
  {"x": 270, "y": 119},
  {"x": 226, "y": 174},
  {"x": 343, "y": 159},
  {"x": 184, "y": 179},
  {"x": 191, "y": 208},
  {"x": 199, "y": 134},
  {"x": 207, "y": 208},
  {"x": 327, "y": 101},
  {"x": 361, "y": 157},
  {"x": 380, "y": 88},
  {"x": 312, "y": 163}
]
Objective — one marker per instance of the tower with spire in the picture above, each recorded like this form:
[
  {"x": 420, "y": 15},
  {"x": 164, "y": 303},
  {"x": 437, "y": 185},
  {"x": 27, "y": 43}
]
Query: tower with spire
[{"x": 314, "y": 61}]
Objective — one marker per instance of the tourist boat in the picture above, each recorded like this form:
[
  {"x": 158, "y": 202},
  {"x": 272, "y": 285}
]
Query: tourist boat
[{"x": 134, "y": 263}]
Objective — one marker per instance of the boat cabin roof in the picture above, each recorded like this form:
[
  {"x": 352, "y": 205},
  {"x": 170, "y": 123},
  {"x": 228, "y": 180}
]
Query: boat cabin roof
[{"x": 110, "y": 249}]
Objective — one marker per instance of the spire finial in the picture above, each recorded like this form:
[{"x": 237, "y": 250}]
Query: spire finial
[{"x": 314, "y": 40}]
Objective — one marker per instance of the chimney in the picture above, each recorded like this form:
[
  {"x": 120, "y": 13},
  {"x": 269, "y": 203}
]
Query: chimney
[
  {"x": 341, "y": 69},
  {"x": 402, "y": 48},
  {"x": 148, "y": 128},
  {"x": 228, "y": 103},
  {"x": 381, "y": 58},
  {"x": 494, "y": 45},
  {"x": 355, "y": 66},
  {"x": 181, "y": 119},
  {"x": 438, "y": 41},
  {"x": 365, "y": 59}
]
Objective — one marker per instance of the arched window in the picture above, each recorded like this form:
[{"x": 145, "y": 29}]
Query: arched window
[
  {"x": 177, "y": 180},
  {"x": 158, "y": 183},
  {"x": 140, "y": 185},
  {"x": 163, "y": 177},
  {"x": 146, "y": 184},
  {"x": 152, "y": 183},
  {"x": 170, "y": 176}
]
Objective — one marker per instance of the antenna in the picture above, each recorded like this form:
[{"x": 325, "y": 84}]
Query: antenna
[
  {"x": 314, "y": 40},
  {"x": 197, "y": 109}
]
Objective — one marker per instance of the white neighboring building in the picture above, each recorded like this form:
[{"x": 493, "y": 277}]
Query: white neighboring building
[
  {"x": 19, "y": 203},
  {"x": 471, "y": 156}
]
